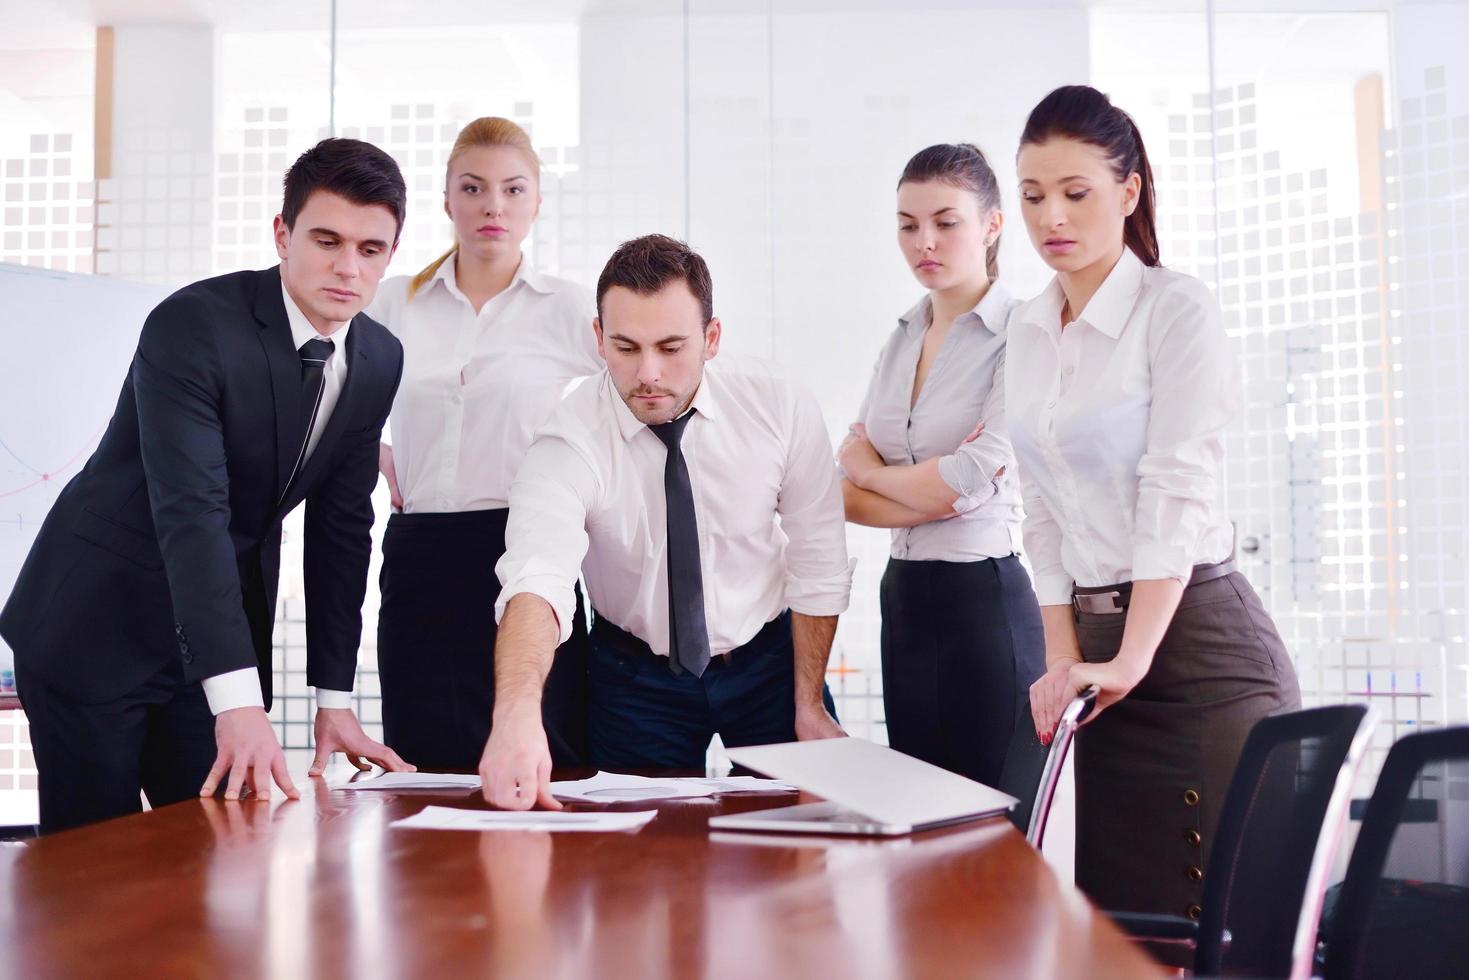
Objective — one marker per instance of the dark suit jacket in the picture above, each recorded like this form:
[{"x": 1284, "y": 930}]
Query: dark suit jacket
[{"x": 167, "y": 543}]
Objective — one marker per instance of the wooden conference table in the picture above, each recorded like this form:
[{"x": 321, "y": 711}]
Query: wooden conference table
[{"x": 324, "y": 887}]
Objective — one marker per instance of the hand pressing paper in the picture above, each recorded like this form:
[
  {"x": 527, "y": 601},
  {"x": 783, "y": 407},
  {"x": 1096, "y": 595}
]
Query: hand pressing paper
[
  {"x": 611, "y": 787},
  {"x": 414, "y": 780},
  {"x": 451, "y": 818}
]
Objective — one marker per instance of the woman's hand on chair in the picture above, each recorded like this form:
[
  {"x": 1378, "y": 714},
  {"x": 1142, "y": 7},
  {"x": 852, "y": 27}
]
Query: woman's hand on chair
[{"x": 1056, "y": 689}]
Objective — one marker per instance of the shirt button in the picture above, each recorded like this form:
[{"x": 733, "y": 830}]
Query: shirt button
[
  {"x": 1068, "y": 372},
  {"x": 1192, "y": 837},
  {"x": 1194, "y": 912},
  {"x": 1190, "y": 797},
  {"x": 1195, "y": 873}
]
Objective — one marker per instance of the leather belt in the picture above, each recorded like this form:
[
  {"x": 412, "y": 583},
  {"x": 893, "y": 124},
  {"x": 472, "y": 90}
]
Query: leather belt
[{"x": 1104, "y": 600}]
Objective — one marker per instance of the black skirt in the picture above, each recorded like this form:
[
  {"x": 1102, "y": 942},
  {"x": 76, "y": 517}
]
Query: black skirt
[
  {"x": 961, "y": 644},
  {"x": 1152, "y": 770},
  {"x": 436, "y": 644}
]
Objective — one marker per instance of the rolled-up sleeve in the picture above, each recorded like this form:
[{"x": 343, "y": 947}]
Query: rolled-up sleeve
[
  {"x": 972, "y": 469},
  {"x": 818, "y": 573},
  {"x": 1194, "y": 396},
  {"x": 546, "y": 535}
]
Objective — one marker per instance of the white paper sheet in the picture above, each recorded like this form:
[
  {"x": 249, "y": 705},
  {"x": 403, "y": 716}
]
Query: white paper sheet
[
  {"x": 414, "y": 780},
  {"x": 610, "y": 787},
  {"x": 452, "y": 818}
]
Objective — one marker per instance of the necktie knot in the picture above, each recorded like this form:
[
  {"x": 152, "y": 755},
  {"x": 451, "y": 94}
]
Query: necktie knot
[
  {"x": 317, "y": 350},
  {"x": 671, "y": 433}
]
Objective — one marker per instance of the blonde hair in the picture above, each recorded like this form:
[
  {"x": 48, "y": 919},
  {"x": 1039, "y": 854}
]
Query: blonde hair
[{"x": 484, "y": 131}]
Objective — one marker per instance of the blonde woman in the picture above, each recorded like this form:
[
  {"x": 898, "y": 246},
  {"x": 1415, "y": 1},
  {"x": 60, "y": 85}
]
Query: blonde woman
[{"x": 490, "y": 344}]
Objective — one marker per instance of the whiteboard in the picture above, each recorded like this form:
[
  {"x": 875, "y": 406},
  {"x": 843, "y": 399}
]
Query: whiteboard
[{"x": 66, "y": 341}]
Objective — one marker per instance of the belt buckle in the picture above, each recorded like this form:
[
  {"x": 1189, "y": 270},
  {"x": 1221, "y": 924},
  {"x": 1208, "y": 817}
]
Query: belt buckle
[{"x": 1098, "y": 603}]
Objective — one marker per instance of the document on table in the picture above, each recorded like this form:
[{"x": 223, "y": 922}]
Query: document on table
[
  {"x": 452, "y": 818},
  {"x": 414, "y": 780},
  {"x": 611, "y": 787}
]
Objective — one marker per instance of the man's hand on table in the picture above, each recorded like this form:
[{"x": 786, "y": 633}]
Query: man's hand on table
[
  {"x": 813, "y": 721},
  {"x": 338, "y": 730},
  {"x": 516, "y": 766},
  {"x": 248, "y": 752}
]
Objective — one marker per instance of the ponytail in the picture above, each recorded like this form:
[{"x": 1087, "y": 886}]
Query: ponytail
[
  {"x": 429, "y": 271},
  {"x": 1140, "y": 231}
]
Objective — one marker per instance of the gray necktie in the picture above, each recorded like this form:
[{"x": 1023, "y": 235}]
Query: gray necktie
[{"x": 688, "y": 635}]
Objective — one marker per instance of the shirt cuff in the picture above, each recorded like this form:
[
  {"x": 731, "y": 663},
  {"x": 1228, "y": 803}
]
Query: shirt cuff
[
  {"x": 1161, "y": 562},
  {"x": 827, "y": 596},
  {"x": 233, "y": 689},
  {"x": 543, "y": 587},
  {"x": 1053, "y": 590},
  {"x": 327, "y": 698}
]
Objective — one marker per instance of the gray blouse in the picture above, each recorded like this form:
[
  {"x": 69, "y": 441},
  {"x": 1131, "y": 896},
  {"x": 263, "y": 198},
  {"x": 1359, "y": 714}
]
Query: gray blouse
[{"x": 965, "y": 384}]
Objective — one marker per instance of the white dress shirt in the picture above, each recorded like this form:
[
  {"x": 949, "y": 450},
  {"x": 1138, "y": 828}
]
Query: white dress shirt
[
  {"x": 1118, "y": 423},
  {"x": 241, "y": 688},
  {"x": 965, "y": 383},
  {"x": 477, "y": 385},
  {"x": 589, "y": 498}
]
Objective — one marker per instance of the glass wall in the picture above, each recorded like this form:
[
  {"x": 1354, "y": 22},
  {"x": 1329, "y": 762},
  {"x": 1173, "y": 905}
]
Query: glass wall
[{"x": 1312, "y": 162}]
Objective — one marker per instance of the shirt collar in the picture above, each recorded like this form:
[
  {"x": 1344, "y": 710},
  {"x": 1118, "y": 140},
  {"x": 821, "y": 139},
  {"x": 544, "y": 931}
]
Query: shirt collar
[
  {"x": 1112, "y": 304},
  {"x": 524, "y": 272},
  {"x": 1109, "y": 307},
  {"x": 705, "y": 402},
  {"x": 992, "y": 311},
  {"x": 301, "y": 328}
]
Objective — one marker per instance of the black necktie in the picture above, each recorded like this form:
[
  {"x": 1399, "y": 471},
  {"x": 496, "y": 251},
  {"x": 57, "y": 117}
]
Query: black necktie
[
  {"x": 314, "y": 355},
  {"x": 688, "y": 636}
]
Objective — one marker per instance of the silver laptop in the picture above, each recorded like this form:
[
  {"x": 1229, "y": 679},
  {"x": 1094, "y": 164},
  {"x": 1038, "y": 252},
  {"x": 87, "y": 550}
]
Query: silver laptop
[{"x": 868, "y": 789}]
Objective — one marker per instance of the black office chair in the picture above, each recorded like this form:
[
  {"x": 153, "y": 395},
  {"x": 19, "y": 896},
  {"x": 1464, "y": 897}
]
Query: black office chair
[
  {"x": 1073, "y": 716},
  {"x": 1282, "y": 819},
  {"x": 1403, "y": 908}
]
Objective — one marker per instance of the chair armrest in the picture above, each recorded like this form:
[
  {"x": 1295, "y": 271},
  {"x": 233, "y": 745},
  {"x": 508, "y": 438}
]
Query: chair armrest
[{"x": 1157, "y": 928}]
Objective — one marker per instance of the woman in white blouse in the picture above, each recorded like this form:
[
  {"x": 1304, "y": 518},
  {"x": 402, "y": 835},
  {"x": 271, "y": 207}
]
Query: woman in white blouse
[
  {"x": 1120, "y": 384},
  {"x": 490, "y": 344},
  {"x": 961, "y": 633}
]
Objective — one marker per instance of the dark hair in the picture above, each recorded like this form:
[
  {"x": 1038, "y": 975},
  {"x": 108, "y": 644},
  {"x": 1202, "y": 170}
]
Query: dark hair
[
  {"x": 1082, "y": 113},
  {"x": 645, "y": 265},
  {"x": 960, "y": 165},
  {"x": 358, "y": 171}
]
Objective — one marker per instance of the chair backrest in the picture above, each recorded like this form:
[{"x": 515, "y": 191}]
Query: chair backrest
[
  {"x": 1282, "y": 818},
  {"x": 1040, "y": 811},
  {"x": 1403, "y": 909}
]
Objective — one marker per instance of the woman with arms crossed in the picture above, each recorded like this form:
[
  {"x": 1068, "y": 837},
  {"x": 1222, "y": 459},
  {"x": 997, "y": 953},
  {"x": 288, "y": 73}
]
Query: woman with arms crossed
[
  {"x": 961, "y": 632},
  {"x": 490, "y": 345},
  {"x": 1120, "y": 384}
]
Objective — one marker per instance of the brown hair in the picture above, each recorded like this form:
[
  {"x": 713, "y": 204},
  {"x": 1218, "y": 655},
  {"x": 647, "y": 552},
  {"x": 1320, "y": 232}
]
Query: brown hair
[
  {"x": 961, "y": 165},
  {"x": 1082, "y": 113},
  {"x": 645, "y": 265},
  {"x": 358, "y": 171},
  {"x": 484, "y": 131}
]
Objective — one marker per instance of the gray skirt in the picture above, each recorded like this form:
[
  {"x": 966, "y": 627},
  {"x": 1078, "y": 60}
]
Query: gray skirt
[{"x": 1152, "y": 770}]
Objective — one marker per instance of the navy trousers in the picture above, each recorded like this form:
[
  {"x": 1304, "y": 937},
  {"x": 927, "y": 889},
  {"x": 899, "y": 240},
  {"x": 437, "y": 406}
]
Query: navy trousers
[
  {"x": 94, "y": 758},
  {"x": 643, "y": 716}
]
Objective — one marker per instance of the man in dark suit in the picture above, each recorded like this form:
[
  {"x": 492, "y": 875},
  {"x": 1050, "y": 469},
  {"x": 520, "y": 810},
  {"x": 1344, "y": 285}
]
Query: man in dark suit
[{"x": 142, "y": 618}]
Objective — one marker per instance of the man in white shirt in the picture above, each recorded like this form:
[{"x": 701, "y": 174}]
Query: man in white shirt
[{"x": 703, "y": 507}]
